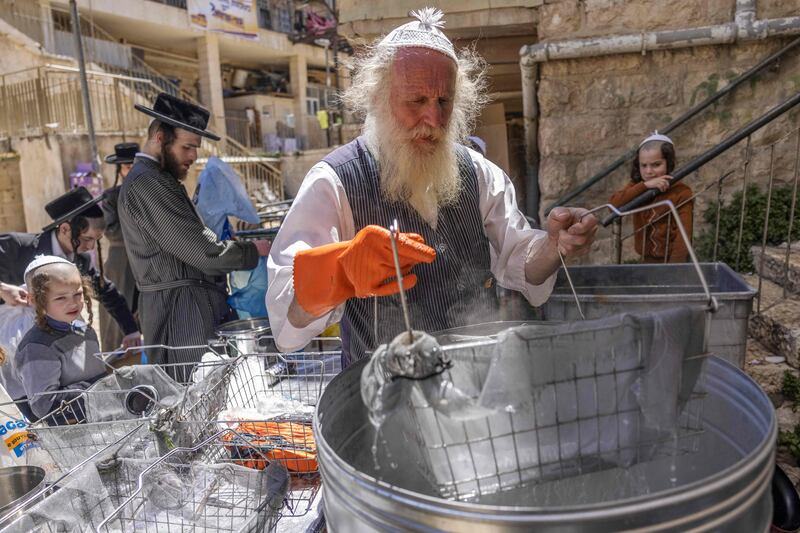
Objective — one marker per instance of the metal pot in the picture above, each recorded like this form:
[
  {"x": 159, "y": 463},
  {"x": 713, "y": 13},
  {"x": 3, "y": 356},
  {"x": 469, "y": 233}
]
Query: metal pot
[
  {"x": 252, "y": 335},
  {"x": 726, "y": 488},
  {"x": 17, "y": 482}
]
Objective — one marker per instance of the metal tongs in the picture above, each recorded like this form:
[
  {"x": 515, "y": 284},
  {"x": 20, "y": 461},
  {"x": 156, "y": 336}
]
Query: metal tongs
[{"x": 712, "y": 305}]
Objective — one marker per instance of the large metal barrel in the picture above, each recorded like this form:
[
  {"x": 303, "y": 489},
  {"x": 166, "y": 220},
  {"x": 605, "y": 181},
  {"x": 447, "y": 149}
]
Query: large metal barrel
[{"x": 724, "y": 485}]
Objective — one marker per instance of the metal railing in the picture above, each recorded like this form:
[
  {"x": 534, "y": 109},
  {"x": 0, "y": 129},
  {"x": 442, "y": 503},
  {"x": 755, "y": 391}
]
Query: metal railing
[
  {"x": 685, "y": 117},
  {"x": 48, "y": 100},
  {"x": 138, "y": 80},
  {"x": 243, "y": 130},
  {"x": 180, "y": 4}
]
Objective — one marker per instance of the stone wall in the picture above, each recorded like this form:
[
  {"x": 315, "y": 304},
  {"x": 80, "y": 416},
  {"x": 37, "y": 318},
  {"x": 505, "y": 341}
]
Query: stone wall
[
  {"x": 42, "y": 177},
  {"x": 11, "y": 218},
  {"x": 592, "y": 110},
  {"x": 567, "y": 19}
]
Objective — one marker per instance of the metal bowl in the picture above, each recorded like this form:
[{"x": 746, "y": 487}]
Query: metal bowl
[{"x": 17, "y": 482}]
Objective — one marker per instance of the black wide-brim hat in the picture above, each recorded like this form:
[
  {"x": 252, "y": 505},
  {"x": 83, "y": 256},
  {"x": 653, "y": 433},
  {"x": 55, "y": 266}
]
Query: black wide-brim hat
[
  {"x": 180, "y": 113},
  {"x": 124, "y": 153},
  {"x": 76, "y": 202}
]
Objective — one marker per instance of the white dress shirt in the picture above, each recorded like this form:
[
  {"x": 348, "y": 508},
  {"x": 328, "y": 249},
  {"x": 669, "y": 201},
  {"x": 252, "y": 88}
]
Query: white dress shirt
[{"x": 321, "y": 214}]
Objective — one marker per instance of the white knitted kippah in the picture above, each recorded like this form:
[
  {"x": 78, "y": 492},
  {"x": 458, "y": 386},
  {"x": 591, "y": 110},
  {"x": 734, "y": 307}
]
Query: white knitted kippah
[
  {"x": 42, "y": 260},
  {"x": 656, "y": 137},
  {"x": 424, "y": 32}
]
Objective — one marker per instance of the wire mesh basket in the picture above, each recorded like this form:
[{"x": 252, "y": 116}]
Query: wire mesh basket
[
  {"x": 549, "y": 402},
  {"x": 270, "y": 401},
  {"x": 141, "y": 402},
  {"x": 189, "y": 489}
]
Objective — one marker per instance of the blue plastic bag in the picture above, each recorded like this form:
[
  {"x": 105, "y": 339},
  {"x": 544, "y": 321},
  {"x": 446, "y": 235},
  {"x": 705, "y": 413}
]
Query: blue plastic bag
[
  {"x": 220, "y": 194},
  {"x": 249, "y": 290}
]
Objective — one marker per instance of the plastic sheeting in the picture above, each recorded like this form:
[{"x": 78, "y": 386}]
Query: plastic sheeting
[
  {"x": 172, "y": 497},
  {"x": 547, "y": 402}
]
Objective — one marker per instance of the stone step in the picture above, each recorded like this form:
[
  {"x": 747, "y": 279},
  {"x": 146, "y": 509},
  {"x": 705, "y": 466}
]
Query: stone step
[
  {"x": 774, "y": 268},
  {"x": 777, "y": 326}
]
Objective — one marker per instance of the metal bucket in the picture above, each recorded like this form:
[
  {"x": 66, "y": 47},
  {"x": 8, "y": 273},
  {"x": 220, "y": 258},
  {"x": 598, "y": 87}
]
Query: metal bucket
[
  {"x": 17, "y": 482},
  {"x": 249, "y": 336},
  {"x": 723, "y": 486},
  {"x": 610, "y": 289}
]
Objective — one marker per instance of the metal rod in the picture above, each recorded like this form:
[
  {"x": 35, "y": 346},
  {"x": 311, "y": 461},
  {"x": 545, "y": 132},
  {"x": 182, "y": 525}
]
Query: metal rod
[
  {"x": 766, "y": 226},
  {"x": 677, "y": 122},
  {"x": 716, "y": 226},
  {"x": 87, "y": 103},
  {"x": 571, "y": 286},
  {"x": 791, "y": 217},
  {"x": 394, "y": 234},
  {"x": 743, "y": 208},
  {"x": 616, "y": 235},
  {"x": 678, "y": 175}
]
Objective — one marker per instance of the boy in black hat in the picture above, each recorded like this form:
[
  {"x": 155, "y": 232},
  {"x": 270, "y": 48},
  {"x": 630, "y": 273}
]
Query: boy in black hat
[
  {"x": 178, "y": 263},
  {"x": 116, "y": 267},
  {"x": 77, "y": 226}
]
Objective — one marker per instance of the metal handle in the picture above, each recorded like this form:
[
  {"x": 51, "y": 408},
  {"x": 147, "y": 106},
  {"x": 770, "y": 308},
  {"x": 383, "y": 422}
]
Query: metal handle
[
  {"x": 394, "y": 233},
  {"x": 713, "y": 306}
]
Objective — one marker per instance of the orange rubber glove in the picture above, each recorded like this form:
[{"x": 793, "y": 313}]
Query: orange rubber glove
[{"x": 328, "y": 275}]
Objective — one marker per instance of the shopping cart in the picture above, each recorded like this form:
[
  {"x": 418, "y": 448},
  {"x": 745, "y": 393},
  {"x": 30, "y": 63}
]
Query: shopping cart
[
  {"x": 270, "y": 401},
  {"x": 141, "y": 402},
  {"x": 194, "y": 489}
]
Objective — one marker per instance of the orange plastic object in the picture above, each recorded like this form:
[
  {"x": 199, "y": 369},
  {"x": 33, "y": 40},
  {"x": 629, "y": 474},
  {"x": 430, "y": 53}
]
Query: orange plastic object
[{"x": 291, "y": 443}]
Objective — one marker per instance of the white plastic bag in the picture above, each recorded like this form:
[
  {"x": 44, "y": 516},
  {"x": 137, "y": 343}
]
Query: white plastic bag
[{"x": 15, "y": 321}]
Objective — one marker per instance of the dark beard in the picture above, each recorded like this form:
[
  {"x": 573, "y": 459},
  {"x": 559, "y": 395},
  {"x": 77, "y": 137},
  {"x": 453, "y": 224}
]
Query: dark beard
[{"x": 171, "y": 165}]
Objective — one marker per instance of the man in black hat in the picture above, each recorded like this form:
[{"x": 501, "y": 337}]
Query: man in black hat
[
  {"x": 178, "y": 263},
  {"x": 77, "y": 226},
  {"x": 116, "y": 267}
]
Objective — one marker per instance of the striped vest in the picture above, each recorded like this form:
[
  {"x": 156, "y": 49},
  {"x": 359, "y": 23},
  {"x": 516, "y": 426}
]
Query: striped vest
[{"x": 455, "y": 290}]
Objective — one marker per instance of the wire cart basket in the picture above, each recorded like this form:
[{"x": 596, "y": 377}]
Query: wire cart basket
[
  {"x": 270, "y": 401},
  {"x": 150, "y": 418},
  {"x": 189, "y": 489}
]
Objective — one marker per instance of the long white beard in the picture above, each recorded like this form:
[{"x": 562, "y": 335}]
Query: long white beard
[{"x": 427, "y": 181}]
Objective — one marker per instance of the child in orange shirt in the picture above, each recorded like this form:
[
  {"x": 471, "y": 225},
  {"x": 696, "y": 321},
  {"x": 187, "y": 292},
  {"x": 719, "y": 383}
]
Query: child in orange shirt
[{"x": 657, "y": 238}]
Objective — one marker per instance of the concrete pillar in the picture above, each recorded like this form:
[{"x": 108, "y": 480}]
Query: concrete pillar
[
  {"x": 298, "y": 77},
  {"x": 46, "y": 17},
  {"x": 211, "y": 80}
]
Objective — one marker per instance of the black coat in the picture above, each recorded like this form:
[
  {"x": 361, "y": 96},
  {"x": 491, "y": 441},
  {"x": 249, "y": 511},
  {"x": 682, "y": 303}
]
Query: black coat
[{"x": 17, "y": 250}]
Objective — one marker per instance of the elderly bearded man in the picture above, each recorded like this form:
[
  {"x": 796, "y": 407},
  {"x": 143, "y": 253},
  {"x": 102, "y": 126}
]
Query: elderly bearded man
[
  {"x": 178, "y": 263},
  {"x": 464, "y": 228}
]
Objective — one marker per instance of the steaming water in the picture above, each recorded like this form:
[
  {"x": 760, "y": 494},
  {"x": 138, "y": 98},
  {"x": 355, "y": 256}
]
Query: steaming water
[{"x": 683, "y": 460}]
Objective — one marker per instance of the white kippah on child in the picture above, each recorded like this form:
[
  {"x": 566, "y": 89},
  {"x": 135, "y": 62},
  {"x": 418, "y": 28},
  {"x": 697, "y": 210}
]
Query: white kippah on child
[
  {"x": 424, "y": 32},
  {"x": 656, "y": 137},
  {"x": 42, "y": 260}
]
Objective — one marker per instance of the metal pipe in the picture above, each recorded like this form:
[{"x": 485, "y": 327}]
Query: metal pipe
[
  {"x": 647, "y": 196},
  {"x": 530, "y": 113},
  {"x": 745, "y": 76},
  {"x": 87, "y": 102}
]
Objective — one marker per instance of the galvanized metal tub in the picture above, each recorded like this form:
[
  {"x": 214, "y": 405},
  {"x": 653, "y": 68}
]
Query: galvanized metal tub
[
  {"x": 610, "y": 289},
  {"x": 727, "y": 488}
]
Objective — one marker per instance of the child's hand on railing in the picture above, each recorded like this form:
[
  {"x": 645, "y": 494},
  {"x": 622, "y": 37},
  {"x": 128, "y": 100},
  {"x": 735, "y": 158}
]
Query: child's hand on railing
[{"x": 662, "y": 183}]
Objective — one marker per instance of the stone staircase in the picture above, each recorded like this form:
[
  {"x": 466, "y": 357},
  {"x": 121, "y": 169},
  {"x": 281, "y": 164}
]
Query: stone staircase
[
  {"x": 775, "y": 331},
  {"x": 777, "y": 325}
]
